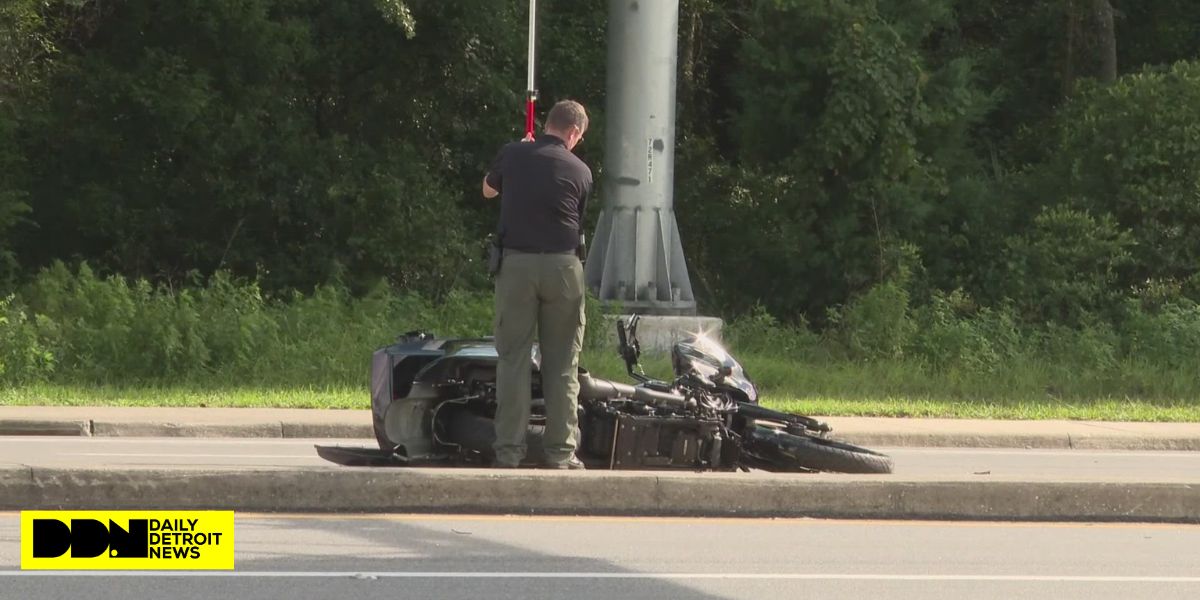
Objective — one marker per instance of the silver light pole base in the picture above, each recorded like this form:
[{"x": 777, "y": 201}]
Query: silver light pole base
[
  {"x": 636, "y": 262},
  {"x": 636, "y": 259}
]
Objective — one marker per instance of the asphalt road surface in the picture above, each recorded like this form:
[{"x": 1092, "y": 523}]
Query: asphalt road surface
[
  {"x": 449, "y": 557},
  {"x": 951, "y": 463}
]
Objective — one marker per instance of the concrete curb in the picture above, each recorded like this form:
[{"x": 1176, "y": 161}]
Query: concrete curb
[
  {"x": 43, "y": 427},
  {"x": 286, "y": 429},
  {"x": 594, "y": 493},
  {"x": 1060, "y": 441},
  {"x": 106, "y": 428}
]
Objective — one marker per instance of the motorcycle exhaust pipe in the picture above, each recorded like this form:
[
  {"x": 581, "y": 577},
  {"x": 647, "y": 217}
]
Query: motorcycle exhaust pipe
[
  {"x": 591, "y": 387},
  {"x": 603, "y": 388}
]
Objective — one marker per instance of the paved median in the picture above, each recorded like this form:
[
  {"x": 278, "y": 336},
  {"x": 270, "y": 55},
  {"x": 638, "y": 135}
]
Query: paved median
[
  {"x": 594, "y": 493},
  {"x": 279, "y": 472}
]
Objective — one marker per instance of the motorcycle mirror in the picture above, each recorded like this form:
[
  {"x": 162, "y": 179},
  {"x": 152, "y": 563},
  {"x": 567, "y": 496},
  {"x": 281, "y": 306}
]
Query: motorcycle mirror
[{"x": 629, "y": 348}]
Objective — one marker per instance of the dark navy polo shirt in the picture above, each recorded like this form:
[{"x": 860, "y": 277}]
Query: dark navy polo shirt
[{"x": 543, "y": 195}]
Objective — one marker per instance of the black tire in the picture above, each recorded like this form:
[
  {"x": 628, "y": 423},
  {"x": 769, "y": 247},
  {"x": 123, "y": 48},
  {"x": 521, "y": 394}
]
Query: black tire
[{"x": 799, "y": 452}]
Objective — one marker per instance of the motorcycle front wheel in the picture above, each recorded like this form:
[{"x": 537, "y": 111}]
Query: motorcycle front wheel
[{"x": 789, "y": 452}]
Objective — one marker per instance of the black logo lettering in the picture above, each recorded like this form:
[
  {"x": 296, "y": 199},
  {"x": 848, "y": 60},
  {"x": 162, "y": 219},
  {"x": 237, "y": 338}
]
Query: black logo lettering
[
  {"x": 134, "y": 543},
  {"x": 89, "y": 538},
  {"x": 51, "y": 538}
]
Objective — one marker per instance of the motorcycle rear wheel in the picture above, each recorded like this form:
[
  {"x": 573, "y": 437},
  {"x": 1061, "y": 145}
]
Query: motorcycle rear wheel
[{"x": 800, "y": 452}]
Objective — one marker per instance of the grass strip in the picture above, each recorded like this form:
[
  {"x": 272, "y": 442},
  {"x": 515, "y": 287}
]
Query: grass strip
[
  {"x": 356, "y": 397},
  {"x": 842, "y": 388}
]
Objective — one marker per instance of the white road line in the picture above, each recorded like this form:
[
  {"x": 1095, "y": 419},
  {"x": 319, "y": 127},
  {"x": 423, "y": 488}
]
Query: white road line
[
  {"x": 1185, "y": 454},
  {"x": 605, "y": 575},
  {"x": 22, "y": 440},
  {"x": 187, "y": 455}
]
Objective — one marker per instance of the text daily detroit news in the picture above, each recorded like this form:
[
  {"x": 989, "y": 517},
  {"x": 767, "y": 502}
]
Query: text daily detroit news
[
  {"x": 127, "y": 539},
  {"x": 144, "y": 538}
]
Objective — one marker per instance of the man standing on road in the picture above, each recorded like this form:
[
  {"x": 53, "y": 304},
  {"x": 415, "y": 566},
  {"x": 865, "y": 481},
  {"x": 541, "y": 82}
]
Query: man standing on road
[{"x": 539, "y": 287}]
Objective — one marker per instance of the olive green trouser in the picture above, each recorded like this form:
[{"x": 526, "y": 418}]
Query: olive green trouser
[{"x": 542, "y": 295}]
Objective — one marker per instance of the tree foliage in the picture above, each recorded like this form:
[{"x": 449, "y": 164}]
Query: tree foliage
[
  {"x": 833, "y": 157},
  {"x": 264, "y": 138},
  {"x": 1132, "y": 150},
  {"x": 839, "y": 119}
]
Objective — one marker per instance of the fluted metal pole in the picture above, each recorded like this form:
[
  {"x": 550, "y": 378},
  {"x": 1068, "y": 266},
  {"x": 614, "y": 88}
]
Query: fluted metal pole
[{"x": 636, "y": 256}]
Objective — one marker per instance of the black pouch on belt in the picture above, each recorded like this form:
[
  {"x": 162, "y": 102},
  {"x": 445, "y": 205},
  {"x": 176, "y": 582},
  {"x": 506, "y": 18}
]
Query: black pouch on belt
[{"x": 495, "y": 255}]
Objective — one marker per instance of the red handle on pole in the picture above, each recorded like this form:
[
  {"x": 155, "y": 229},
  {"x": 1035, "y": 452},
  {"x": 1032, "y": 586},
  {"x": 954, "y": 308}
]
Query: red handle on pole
[
  {"x": 530, "y": 100},
  {"x": 530, "y": 92}
]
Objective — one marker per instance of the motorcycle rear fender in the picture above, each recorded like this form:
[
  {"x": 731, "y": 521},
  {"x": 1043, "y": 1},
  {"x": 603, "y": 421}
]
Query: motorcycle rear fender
[{"x": 408, "y": 423}]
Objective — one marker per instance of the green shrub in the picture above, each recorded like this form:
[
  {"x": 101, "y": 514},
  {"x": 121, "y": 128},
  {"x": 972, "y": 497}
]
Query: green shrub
[
  {"x": 101, "y": 328},
  {"x": 953, "y": 333},
  {"x": 1067, "y": 266},
  {"x": 92, "y": 321},
  {"x": 1132, "y": 149},
  {"x": 759, "y": 332},
  {"x": 598, "y": 333},
  {"x": 464, "y": 314},
  {"x": 78, "y": 328},
  {"x": 1091, "y": 348},
  {"x": 877, "y": 325},
  {"x": 23, "y": 356},
  {"x": 1166, "y": 337},
  {"x": 238, "y": 325},
  {"x": 165, "y": 334}
]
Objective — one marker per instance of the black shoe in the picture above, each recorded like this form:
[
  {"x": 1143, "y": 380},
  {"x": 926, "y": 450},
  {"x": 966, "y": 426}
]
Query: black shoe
[{"x": 573, "y": 464}]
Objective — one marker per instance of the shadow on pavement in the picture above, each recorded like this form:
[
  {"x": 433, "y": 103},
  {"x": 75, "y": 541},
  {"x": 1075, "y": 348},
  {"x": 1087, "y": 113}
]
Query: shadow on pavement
[{"x": 350, "y": 548}]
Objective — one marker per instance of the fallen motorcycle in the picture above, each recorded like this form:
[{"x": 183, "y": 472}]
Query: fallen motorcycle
[{"x": 433, "y": 401}]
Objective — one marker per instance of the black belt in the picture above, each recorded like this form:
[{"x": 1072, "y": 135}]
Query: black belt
[{"x": 508, "y": 251}]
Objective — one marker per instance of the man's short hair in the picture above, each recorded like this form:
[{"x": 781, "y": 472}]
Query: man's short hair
[{"x": 566, "y": 114}]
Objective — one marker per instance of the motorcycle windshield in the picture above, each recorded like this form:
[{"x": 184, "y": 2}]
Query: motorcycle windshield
[{"x": 709, "y": 359}]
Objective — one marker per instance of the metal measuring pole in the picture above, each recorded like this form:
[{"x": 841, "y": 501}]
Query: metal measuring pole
[{"x": 530, "y": 90}]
